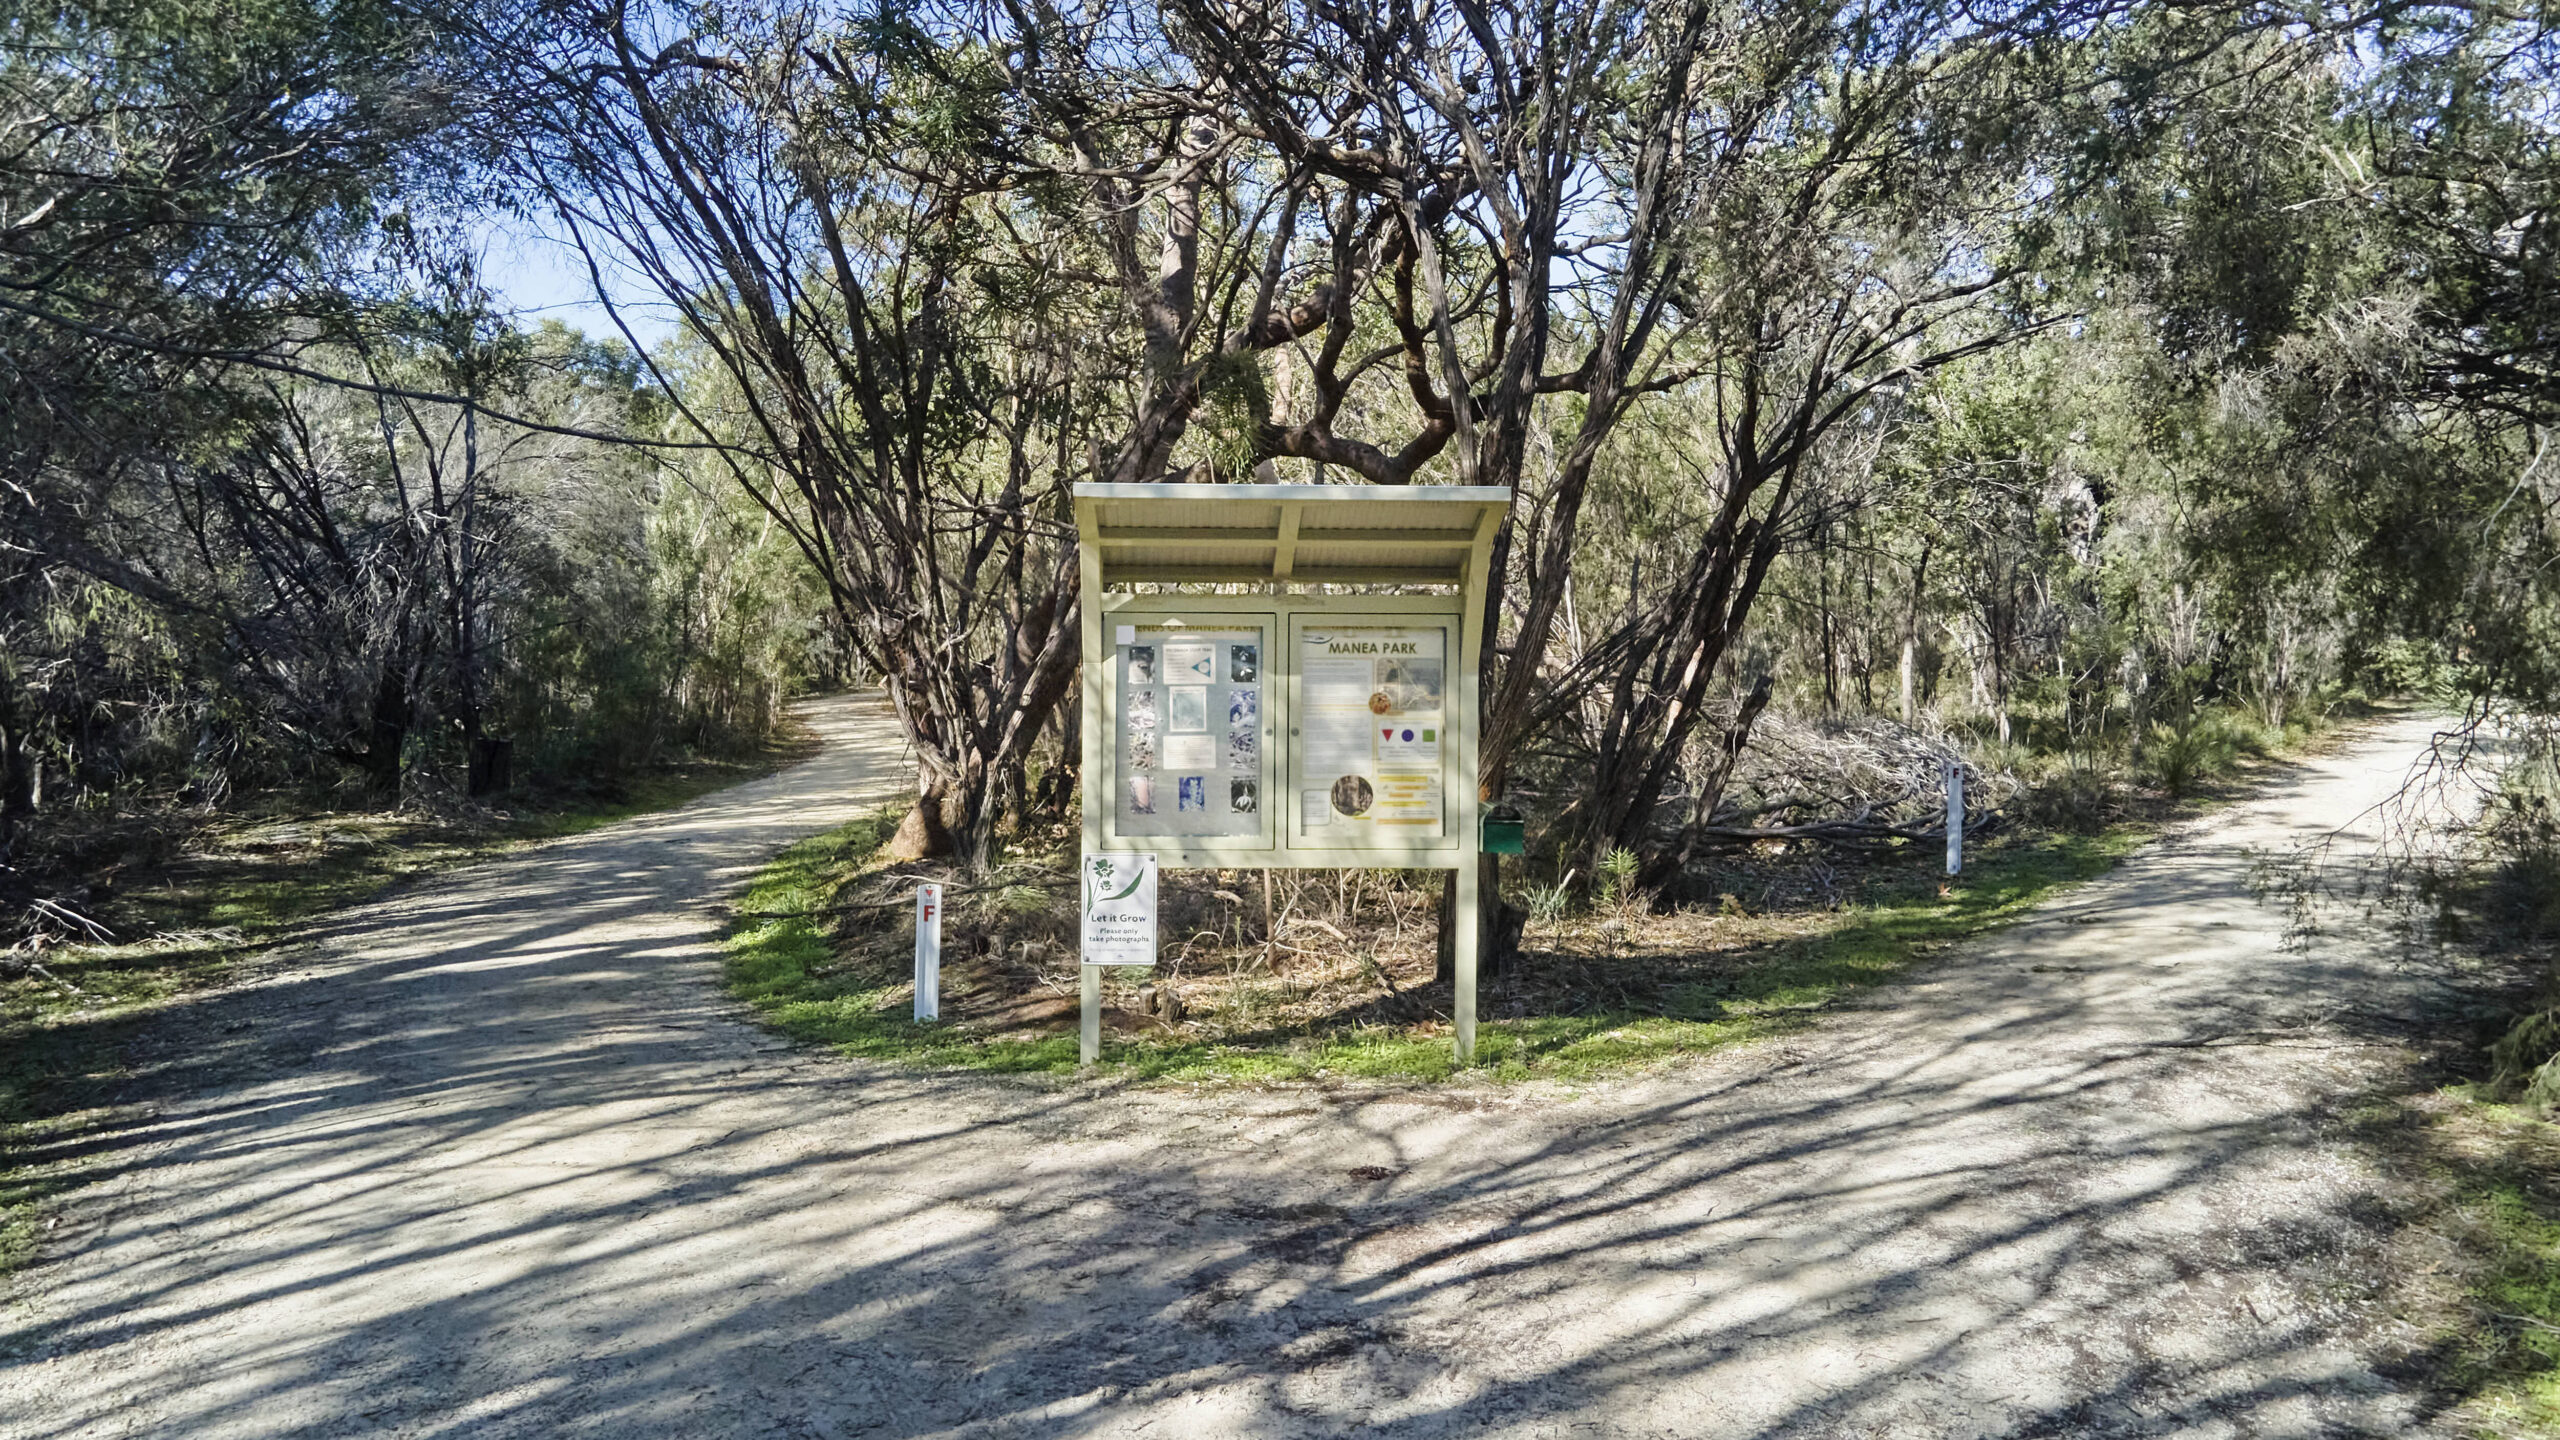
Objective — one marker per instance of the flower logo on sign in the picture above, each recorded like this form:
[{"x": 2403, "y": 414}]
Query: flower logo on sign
[{"x": 1102, "y": 872}]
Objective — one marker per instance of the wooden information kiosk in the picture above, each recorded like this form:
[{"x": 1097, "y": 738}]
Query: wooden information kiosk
[{"x": 1285, "y": 676}]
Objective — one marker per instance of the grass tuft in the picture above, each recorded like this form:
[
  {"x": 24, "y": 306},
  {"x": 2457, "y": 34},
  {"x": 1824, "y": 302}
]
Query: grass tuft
[{"x": 2485, "y": 1292}]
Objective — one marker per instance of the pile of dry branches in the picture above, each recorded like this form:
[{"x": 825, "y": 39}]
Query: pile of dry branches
[{"x": 1854, "y": 782}]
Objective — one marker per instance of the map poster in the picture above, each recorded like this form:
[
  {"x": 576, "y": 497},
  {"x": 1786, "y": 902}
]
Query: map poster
[
  {"x": 1190, "y": 744},
  {"x": 1372, "y": 707}
]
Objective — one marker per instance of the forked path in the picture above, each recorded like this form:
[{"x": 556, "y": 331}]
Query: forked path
[{"x": 493, "y": 1159}]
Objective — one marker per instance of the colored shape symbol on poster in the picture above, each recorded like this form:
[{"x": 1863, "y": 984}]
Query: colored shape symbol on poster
[
  {"x": 1411, "y": 749},
  {"x": 1190, "y": 662}
]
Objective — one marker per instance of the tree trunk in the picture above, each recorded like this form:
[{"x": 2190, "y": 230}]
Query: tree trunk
[
  {"x": 1911, "y": 639},
  {"x": 2000, "y": 674},
  {"x": 1711, "y": 787},
  {"x": 387, "y": 732},
  {"x": 1710, "y": 607},
  {"x": 923, "y": 834},
  {"x": 492, "y": 766},
  {"x": 1866, "y": 666},
  {"x": 1830, "y": 636},
  {"x": 17, "y": 784},
  {"x": 1498, "y": 925}
]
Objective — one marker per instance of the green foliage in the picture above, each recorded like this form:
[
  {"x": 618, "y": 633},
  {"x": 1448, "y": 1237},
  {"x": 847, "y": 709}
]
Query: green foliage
[
  {"x": 2521, "y": 1059},
  {"x": 1235, "y": 408},
  {"x": 231, "y": 578},
  {"x": 2183, "y": 752},
  {"x": 370, "y": 599},
  {"x": 1617, "y": 875},
  {"x": 2519, "y": 837},
  {"x": 2079, "y": 791},
  {"x": 1547, "y": 903}
]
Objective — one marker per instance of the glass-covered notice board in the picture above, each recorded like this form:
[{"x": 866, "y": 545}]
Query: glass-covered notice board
[
  {"x": 1193, "y": 753},
  {"x": 1369, "y": 759}
]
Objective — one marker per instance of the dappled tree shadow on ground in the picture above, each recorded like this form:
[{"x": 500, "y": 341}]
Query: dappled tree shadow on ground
[{"x": 504, "y": 1165}]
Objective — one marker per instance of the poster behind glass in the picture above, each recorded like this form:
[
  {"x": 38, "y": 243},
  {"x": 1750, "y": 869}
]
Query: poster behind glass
[
  {"x": 1191, "y": 760},
  {"x": 1372, "y": 712}
]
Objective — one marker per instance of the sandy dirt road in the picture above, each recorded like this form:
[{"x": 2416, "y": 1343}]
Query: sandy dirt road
[{"x": 493, "y": 1159}]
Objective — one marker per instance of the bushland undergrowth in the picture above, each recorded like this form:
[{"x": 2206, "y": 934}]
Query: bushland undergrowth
[
  {"x": 1593, "y": 994},
  {"x": 1333, "y": 974},
  {"x": 2479, "y": 1218},
  {"x": 2483, "y": 1150}
]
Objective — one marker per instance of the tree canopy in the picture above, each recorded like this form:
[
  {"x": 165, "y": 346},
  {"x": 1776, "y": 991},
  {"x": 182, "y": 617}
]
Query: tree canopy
[{"x": 2111, "y": 359}]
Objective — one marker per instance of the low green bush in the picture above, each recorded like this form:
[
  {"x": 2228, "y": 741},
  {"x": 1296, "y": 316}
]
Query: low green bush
[{"x": 2202, "y": 746}]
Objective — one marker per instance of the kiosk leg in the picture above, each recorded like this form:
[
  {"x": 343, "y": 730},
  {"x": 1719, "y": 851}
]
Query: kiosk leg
[
  {"x": 1089, "y": 1028},
  {"x": 1469, "y": 870}
]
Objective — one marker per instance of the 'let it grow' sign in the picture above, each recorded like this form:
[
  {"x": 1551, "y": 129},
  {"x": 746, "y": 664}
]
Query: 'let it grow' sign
[{"x": 1120, "y": 909}]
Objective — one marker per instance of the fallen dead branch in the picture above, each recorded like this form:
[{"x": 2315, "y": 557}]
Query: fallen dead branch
[
  {"x": 13, "y": 965},
  {"x": 902, "y": 902}
]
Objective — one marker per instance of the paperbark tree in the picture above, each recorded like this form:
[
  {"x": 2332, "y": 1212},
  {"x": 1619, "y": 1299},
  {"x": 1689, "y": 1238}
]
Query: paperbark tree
[
  {"x": 1424, "y": 177},
  {"x": 868, "y": 342},
  {"x": 174, "y": 178},
  {"x": 1545, "y": 215},
  {"x": 1781, "y": 211}
]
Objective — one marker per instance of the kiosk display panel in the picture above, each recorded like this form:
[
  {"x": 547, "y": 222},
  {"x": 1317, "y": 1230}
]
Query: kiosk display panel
[
  {"x": 1371, "y": 733},
  {"x": 1192, "y": 714}
]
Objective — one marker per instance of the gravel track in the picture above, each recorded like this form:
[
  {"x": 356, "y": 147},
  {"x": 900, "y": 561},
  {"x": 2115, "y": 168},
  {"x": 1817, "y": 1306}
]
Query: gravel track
[{"x": 492, "y": 1157}]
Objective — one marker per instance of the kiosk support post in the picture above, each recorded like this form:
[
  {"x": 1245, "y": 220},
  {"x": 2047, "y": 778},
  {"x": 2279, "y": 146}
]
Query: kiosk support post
[
  {"x": 1470, "y": 796},
  {"x": 1469, "y": 870},
  {"x": 1096, "y": 702},
  {"x": 1089, "y": 1023}
]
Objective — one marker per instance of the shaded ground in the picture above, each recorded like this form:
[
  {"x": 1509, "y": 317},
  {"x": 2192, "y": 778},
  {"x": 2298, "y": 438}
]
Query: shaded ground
[
  {"x": 194, "y": 892},
  {"x": 490, "y": 1159}
]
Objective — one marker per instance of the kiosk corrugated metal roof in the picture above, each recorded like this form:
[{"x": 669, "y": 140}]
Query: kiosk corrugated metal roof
[{"x": 1306, "y": 534}]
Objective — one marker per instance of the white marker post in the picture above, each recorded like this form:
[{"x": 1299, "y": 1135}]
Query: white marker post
[
  {"x": 928, "y": 952},
  {"x": 1955, "y": 817}
]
